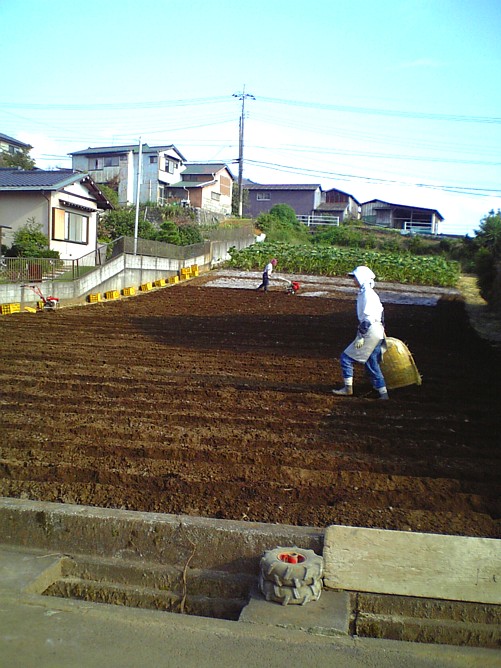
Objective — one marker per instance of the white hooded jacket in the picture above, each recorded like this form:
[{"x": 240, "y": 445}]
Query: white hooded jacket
[
  {"x": 370, "y": 316},
  {"x": 369, "y": 307}
]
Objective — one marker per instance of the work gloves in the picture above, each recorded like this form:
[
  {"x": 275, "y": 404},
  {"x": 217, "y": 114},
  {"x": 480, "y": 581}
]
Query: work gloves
[{"x": 359, "y": 342}]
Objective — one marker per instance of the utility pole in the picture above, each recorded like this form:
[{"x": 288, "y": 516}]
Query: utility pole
[
  {"x": 241, "y": 96},
  {"x": 138, "y": 193}
]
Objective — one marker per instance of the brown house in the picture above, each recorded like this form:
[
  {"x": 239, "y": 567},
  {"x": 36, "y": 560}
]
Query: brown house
[
  {"x": 206, "y": 186},
  {"x": 338, "y": 203}
]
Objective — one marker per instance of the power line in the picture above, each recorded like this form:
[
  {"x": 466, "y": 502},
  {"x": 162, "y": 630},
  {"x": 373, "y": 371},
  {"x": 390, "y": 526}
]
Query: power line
[
  {"x": 384, "y": 112},
  {"x": 464, "y": 190}
]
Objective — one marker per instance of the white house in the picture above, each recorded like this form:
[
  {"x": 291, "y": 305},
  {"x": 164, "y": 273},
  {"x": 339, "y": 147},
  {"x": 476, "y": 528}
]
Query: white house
[
  {"x": 65, "y": 203},
  {"x": 117, "y": 166},
  {"x": 12, "y": 146}
]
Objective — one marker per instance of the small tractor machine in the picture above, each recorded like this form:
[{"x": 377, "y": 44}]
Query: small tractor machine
[
  {"x": 291, "y": 286},
  {"x": 45, "y": 303}
]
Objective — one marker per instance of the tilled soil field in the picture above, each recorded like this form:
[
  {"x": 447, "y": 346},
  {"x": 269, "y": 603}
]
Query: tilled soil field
[{"x": 217, "y": 402}]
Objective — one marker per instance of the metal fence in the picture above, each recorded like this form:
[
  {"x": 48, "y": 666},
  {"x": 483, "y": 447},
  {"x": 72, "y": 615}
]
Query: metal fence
[
  {"x": 313, "y": 221},
  {"x": 36, "y": 270}
]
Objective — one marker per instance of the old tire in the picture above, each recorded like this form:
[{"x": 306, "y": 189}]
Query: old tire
[
  {"x": 290, "y": 595},
  {"x": 307, "y": 571}
]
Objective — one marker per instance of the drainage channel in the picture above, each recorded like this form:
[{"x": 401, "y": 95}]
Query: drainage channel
[
  {"x": 204, "y": 593},
  {"x": 234, "y": 597},
  {"x": 221, "y": 595}
]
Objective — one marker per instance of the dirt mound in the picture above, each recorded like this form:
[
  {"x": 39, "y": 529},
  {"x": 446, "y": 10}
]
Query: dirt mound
[{"x": 216, "y": 402}]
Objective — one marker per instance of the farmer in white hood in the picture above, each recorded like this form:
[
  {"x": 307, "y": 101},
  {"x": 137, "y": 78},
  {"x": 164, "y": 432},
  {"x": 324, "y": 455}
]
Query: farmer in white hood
[{"x": 370, "y": 342}]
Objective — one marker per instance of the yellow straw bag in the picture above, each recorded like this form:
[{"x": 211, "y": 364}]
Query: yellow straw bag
[{"x": 398, "y": 366}]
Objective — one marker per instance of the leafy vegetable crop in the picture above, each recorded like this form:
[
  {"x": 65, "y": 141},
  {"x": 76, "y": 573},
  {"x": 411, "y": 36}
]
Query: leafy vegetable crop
[{"x": 332, "y": 261}]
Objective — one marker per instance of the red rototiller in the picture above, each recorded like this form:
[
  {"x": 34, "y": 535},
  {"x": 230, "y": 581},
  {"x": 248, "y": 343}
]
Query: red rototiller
[
  {"x": 45, "y": 303},
  {"x": 292, "y": 286}
]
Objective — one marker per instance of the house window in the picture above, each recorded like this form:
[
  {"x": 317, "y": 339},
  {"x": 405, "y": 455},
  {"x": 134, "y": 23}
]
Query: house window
[
  {"x": 169, "y": 166},
  {"x": 216, "y": 196},
  {"x": 260, "y": 197},
  {"x": 96, "y": 163},
  {"x": 153, "y": 159},
  {"x": 69, "y": 226},
  {"x": 76, "y": 227},
  {"x": 111, "y": 161}
]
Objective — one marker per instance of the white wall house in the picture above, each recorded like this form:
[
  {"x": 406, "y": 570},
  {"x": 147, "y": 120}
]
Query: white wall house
[
  {"x": 64, "y": 203},
  {"x": 117, "y": 166},
  {"x": 12, "y": 146}
]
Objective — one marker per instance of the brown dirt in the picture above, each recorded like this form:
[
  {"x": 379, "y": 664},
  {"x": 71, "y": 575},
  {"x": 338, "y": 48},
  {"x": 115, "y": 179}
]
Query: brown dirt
[{"x": 216, "y": 402}]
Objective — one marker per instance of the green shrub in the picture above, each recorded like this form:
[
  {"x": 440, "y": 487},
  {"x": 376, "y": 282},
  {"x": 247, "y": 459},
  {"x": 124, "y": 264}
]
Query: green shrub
[
  {"x": 189, "y": 234},
  {"x": 280, "y": 224},
  {"x": 30, "y": 241},
  {"x": 488, "y": 255},
  {"x": 168, "y": 233}
]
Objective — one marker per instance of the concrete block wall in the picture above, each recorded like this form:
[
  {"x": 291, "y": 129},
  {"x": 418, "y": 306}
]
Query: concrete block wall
[{"x": 125, "y": 270}]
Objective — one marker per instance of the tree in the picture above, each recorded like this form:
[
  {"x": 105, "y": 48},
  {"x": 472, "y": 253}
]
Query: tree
[
  {"x": 168, "y": 233},
  {"x": 20, "y": 159},
  {"x": 488, "y": 256},
  {"x": 121, "y": 223},
  {"x": 189, "y": 234},
  {"x": 489, "y": 234}
]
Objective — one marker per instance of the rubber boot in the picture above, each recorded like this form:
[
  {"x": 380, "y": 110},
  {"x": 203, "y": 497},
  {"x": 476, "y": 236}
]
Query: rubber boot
[
  {"x": 345, "y": 391},
  {"x": 383, "y": 393}
]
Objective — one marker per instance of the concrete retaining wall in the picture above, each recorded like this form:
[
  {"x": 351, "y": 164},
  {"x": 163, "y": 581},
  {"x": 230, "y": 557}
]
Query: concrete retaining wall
[
  {"x": 222, "y": 545},
  {"x": 125, "y": 270}
]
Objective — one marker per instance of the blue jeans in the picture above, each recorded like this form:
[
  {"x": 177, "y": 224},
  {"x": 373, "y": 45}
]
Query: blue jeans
[
  {"x": 371, "y": 366},
  {"x": 265, "y": 283}
]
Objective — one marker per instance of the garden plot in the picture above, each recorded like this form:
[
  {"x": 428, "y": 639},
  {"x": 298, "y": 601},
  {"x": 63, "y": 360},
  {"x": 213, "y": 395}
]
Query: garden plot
[{"x": 216, "y": 402}]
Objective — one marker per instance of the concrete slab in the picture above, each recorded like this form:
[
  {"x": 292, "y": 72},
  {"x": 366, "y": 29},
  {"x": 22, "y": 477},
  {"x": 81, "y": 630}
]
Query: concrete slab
[
  {"x": 45, "y": 632},
  {"x": 456, "y": 568},
  {"x": 330, "y": 615}
]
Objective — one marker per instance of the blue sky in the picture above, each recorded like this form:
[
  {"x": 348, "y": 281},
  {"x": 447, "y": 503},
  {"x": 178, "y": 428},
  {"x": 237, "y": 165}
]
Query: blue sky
[{"x": 396, "y": 100}]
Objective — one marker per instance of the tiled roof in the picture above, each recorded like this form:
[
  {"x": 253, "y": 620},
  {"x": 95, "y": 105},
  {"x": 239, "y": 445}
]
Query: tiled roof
[
  {"x": 203, "y": 168},
  {"x": 20, "y": 180},
  {"x": 283, "y": 186},
  {"x": 14, "y": 142},
  {"x": 192, "y": 184},
  {"x": 37, "y": 179},
  {"x": 113, "y": 150}
]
